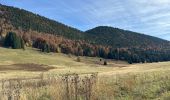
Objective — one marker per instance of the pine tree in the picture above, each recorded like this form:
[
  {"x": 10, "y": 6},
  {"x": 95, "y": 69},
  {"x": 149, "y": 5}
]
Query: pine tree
[
  {"x": 110, "y": 55},
  {"x": 13, "y": 41}
]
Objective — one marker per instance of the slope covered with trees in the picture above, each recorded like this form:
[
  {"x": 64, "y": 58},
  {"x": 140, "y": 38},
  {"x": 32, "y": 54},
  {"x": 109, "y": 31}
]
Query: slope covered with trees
[
  {"x": 116, "y": 37},
  {"x": 106, "y": 42},
  {"x": 26, "y": 20}
]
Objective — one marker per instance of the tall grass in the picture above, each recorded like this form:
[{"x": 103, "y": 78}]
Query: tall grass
[
  {"x": 143, "y": 86},
  {"x": 65, "y": 87}
]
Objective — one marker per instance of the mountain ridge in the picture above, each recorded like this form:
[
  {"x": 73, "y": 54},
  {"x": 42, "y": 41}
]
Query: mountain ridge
[
  {"x": 103, "y": 41},
  {"x": 28, "y": 20},
  {"x": 76, "y": 31},
  {"x": 123, "y": 35}
]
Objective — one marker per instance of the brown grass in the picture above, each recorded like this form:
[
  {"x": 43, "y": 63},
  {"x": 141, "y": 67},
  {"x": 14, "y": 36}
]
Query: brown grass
[
  {"x": 90, "y": 86},
  {"x": 116, "y": 81},
  {"x": 65, "y": 87}
]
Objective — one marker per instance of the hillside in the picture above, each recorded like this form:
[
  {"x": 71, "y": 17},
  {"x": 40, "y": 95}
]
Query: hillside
[
  {"x": 99, "y": 35},
  {"x": 43, "y": 59},
  {"x": 26, "y": 20},
  {"x": 107, "y": 42},
  {"x": 122, "y": 38}
]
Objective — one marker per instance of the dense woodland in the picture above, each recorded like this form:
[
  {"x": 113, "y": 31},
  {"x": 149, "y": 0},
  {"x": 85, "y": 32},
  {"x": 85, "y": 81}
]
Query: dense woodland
[
  {"x": 26, "y": 20},
  {"x": 116, "y": 37},
  {"x": 50, "y": 36}
]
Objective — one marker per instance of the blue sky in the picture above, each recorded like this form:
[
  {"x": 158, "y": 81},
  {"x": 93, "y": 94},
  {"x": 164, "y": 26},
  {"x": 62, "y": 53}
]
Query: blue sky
[{"x": 150, "y": 17}]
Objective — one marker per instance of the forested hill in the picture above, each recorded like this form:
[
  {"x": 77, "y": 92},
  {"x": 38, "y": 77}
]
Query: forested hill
[
  {"x": 122, "y": 38},
  {"x": 103, "y": 35},
  {"x": 29, "y": 29},
  {"x": 26, "y": 20}
]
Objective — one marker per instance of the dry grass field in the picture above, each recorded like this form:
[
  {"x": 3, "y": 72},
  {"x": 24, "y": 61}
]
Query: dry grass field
[{"x": 32, "y": 75}]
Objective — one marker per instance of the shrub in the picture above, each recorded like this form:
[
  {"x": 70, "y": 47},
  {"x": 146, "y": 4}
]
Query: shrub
[{"x": 105, "y": 62}]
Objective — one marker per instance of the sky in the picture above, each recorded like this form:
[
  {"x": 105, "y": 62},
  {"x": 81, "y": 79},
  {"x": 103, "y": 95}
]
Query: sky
[{"x": 151, "y": 17}]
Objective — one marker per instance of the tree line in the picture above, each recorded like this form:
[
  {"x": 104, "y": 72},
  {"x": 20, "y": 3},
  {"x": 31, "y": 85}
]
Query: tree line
[{"x": 50, "y": 43}]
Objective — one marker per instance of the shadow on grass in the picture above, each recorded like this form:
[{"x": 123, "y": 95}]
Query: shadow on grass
[{"x": 26, "y": 67}]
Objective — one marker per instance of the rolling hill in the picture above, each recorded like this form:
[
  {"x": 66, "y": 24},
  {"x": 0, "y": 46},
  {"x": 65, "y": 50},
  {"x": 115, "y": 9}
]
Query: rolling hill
[
  {"x": 26, "y": 20},
  {"x": 104, "y": 35},
  {"x": 93, "y": 67},
  {"x": 102, "y": 41},
  {"x": 122, "y": 38}
]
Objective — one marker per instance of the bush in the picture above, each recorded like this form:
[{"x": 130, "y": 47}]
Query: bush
[
  {"x": 42, "y": 44},
  {"x": 105, "y": 62}
]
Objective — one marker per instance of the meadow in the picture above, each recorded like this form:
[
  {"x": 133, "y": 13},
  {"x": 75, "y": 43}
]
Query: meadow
[{"x": 32, "y": 75}]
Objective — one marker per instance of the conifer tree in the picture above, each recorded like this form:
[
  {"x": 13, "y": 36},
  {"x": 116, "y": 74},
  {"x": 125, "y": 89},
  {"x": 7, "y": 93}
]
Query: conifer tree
[{"x": 13, "y": 41}]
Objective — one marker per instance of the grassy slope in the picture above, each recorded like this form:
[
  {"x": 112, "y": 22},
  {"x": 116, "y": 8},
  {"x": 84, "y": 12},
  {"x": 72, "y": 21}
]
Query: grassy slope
[
  {"x": 65, "y": 64},
  {"x": 118, "y": 80}
]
